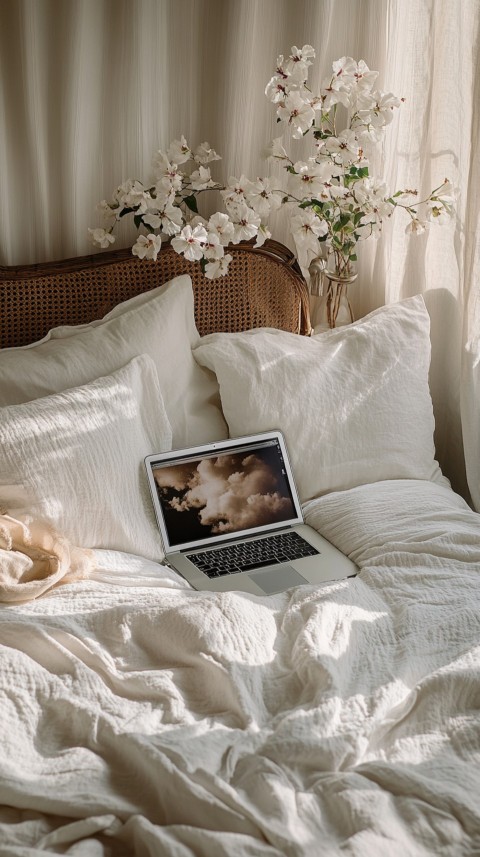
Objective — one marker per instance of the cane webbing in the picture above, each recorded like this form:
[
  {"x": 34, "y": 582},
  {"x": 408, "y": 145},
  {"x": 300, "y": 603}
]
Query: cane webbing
[{"x": 263, "y": 288}]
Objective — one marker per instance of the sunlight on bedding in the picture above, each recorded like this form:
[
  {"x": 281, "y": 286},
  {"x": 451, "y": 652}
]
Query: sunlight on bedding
[{"x": 103, "y": 430}]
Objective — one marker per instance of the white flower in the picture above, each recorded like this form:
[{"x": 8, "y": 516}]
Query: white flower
[
  {"x": 108, "y": 211},
  {"x": 221, "y": 225},
  {"x": 445, "y": 197},
  {"x": 364, "y": 78},
  {"x": 416, "y": 226},
  {"x": 138, "y": 198},
  {"x": 298, "y": 113},
  {"x": 276, "y": 89},
  {"x": 261, "y": 197},
  {"x": 101, "y": 238},
  {"x": 234, "y": 193},
  {"x": 338, "y": 88},
  {"x": 122, "y": 191},
  {"x": 344, "y": 70},
  {"x": 132, "y": 194},
  {"x": 307, "y": 228},
  {"x": 310, "y": 176},
  {"x": 147, "y": 246},
  {"x": 370, "y": 192},
  {"x": 213, "y": 249},
  {"x": 179, "y": 151},
  {"x": 169, "y": 219},
  {"x": 167, "y": 172},
  {"x": 338, "y": 191},
  {"x": 201, "y": 179},
  {"x": 377, "y": 108},
  {"x": 190, "y": 242},
  {"x": 218, "y": 268},
  {"x": 152, "y": 219},
  {"x": 302, "y": 57},
  {"x": 204, "y": 153},
  {"x": 289, "y": 74},
  {"x": 246, "y": 223},
  {"x": 377, "y": 212},
  {"x": 171, "y": 180},
  {"x": 162, "y": 197},
  {"x": 345, "y": 149},
  {"x": 437, "y": 212},
  {"x": 275, "y": 149},
  {"x": 160, "y": 162}
]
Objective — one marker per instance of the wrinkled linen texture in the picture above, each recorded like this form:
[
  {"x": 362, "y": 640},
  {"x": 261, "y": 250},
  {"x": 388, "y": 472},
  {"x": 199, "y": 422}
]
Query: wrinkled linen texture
[{"x": 142, "y": 717}]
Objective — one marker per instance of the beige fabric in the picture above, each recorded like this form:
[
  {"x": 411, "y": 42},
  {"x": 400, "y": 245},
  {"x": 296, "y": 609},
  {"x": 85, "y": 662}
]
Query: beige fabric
[
  {"x": 34, "y": 558},
  {"x": 136, "y": 75}
]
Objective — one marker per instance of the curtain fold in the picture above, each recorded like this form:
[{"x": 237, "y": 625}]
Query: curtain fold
[{"x": 90, "y": 89}]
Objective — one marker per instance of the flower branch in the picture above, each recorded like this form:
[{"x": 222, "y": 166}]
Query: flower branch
[{"x": 333, "y": 201}]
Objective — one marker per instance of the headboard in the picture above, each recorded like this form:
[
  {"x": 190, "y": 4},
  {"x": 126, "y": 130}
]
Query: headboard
[{"x": 263, "y": 288}]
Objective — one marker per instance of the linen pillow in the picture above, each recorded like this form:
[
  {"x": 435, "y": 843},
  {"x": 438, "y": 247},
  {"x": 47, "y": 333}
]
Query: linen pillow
[
  {"x": 161, "y": 325},
  {"x": 353, "y": 403},
  {"x": 76, "y": 459}
]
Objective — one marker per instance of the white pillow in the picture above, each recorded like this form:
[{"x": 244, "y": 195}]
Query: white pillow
[
  {"x": 76, "y": 459},
  {"x": 160, "y": 324},
  {"x": 353, "y": 403}
]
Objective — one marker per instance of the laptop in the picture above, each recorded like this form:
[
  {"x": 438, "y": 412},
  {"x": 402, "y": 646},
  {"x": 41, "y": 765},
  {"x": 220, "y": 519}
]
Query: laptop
[{"x": 230, "y": 518}]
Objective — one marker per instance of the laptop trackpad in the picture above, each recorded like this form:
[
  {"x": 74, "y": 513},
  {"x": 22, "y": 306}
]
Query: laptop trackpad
[{"x": 277, "y": 579}]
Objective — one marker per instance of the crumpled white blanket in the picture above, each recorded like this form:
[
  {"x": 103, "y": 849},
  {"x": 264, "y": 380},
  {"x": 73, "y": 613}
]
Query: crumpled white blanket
[{"x": 141, "y": 717}]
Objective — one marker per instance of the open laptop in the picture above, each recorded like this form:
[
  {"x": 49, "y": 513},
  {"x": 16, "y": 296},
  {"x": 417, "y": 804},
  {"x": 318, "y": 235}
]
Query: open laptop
[{"x": 230, "y": 518}]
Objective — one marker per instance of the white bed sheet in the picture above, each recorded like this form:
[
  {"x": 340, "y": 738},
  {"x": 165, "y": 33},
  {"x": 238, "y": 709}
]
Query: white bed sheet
[{"x": 141, "y": 717}]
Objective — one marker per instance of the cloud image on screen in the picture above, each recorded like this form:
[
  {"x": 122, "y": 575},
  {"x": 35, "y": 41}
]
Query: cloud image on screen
[{"x": 223, "y": 494}]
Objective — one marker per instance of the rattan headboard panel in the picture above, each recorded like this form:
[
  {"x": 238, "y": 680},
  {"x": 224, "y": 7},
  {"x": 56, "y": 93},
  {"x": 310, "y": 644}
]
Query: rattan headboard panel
[{"x": 263, "y": 288}]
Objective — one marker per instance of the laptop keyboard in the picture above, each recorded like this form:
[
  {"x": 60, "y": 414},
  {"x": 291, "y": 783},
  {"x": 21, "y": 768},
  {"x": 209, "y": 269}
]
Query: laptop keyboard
[{"x": 252, "y": 554}]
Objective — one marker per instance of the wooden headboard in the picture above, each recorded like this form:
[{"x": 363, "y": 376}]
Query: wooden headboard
[{"x": 263, "y": 288}]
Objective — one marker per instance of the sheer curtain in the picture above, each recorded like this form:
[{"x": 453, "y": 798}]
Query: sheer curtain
[{"x": 90, "y": 89}]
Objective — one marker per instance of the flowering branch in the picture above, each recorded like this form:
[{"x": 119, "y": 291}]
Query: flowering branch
[
  {"x": 168, "y": 208},
  {"x": 334, "y": 202},
  {"x": 337, "y": 203}
]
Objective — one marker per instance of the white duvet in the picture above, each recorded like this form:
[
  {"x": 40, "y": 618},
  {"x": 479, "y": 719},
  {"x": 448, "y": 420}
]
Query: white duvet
[{"x": 141, "y": 717}]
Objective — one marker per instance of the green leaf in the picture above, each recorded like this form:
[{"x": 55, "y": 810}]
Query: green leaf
[
  {"x": 353, "y": 257},
  {"x": 125, "y": 211},
  {"x": 191, "y": 201},
  {"x": 363, "y": 172},
  {"x": 138, "y": 221}
]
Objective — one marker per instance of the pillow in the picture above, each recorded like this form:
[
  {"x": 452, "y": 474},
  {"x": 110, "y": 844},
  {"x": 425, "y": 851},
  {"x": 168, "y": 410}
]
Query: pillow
[
  {"x": 161, "y": 325},
  {"x": 353, "y": 403},
  {"x": 76, "y": 459}
]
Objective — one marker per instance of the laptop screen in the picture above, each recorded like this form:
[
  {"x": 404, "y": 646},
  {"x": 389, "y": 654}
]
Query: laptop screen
[{"x": 240, "y": 487}]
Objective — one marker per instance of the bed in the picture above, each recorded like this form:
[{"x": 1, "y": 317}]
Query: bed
[{"x": 141, "y": 717}]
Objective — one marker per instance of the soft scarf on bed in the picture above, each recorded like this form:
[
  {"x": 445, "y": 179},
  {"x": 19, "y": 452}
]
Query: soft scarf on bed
[{"x": 34, "y": 558}]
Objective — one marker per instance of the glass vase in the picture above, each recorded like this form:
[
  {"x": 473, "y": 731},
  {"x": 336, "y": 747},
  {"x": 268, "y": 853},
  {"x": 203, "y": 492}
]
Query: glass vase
[{"x": 329, "y": 286}]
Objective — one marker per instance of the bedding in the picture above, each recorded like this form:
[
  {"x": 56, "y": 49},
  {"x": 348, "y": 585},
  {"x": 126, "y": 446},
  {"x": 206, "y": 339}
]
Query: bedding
[
  {"x": 353, "y": 403},
  {"x": 141, "y": 717},
  {"x": 75, "y": 459},
  {"x": 161, "y": 325}
]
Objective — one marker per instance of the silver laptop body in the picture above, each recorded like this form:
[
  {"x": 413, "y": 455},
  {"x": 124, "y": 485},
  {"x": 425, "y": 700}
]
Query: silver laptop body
[{"x": 228, "y": 495}]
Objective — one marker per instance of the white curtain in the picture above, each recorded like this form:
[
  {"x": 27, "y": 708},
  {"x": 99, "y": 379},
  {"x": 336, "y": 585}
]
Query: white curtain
[{"x": 90, "y": 89}]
